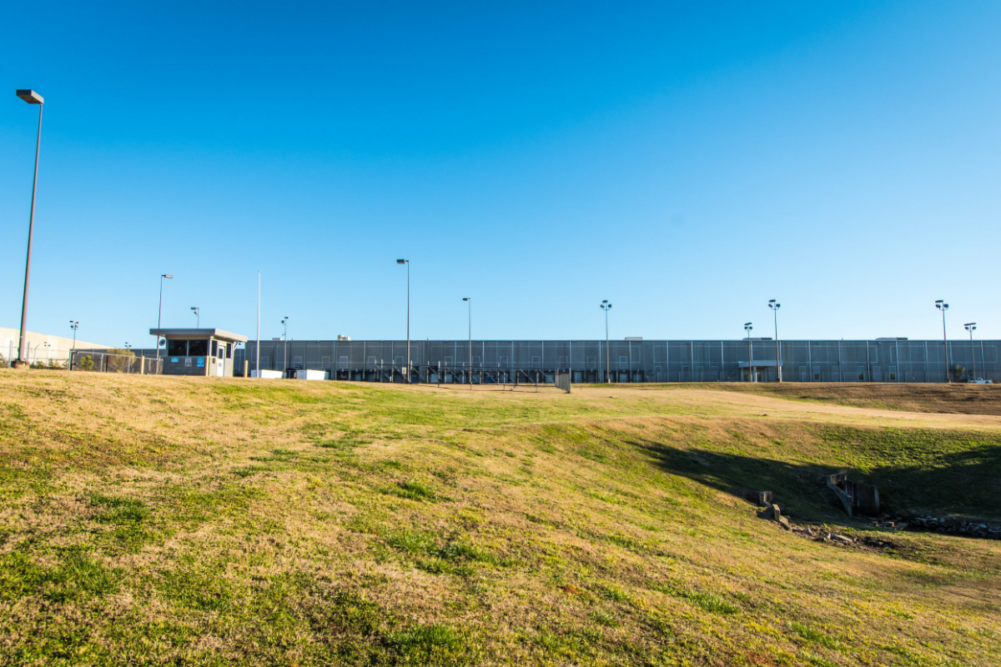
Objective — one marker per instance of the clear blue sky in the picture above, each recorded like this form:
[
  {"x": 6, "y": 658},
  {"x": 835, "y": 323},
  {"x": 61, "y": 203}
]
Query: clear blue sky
[{"x": 687, "y": 161}]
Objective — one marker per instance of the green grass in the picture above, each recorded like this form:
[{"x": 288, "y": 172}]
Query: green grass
[{"x": 180, "y": 521}]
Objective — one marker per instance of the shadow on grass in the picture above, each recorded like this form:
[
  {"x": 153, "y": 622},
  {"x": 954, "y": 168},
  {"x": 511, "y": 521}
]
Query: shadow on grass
[{"x": 952, "y": 474}]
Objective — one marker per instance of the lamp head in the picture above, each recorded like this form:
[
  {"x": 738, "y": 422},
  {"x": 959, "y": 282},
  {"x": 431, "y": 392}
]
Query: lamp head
[
  {"x": 30, "y": 96},
  {"x": 466, "y": 298},
  {"x": 402, "y": 261},
  {"x": 168, "y": 276}
]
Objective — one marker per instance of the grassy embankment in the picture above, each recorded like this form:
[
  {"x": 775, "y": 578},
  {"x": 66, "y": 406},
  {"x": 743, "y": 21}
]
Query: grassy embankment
[{"x": 192, "y": 521}]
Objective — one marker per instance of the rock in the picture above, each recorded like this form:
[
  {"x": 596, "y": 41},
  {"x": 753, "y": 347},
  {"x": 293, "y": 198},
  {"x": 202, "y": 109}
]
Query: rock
[
  {"x": 843, "y": 539},
  {"x": 784, "y": 522}
]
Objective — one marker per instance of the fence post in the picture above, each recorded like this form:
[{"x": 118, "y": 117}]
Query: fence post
[
  {"x": 246, "y": 367},
  {"x": 142, "y": 364}
]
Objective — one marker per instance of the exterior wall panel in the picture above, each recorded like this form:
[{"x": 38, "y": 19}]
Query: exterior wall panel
[{"x": 634, "y": 361}]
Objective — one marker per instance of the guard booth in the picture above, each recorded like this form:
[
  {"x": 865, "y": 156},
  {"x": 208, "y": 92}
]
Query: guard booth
[{"x": 205, "y": 352}]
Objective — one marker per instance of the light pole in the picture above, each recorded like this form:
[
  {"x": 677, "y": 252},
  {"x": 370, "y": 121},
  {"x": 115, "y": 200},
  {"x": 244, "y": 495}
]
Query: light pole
[
  {"x": 198, "y": 317},
  {"x": 31, "y": 97},
  {"x": 469, "y": 301},
  {"x": 407, "y": 262},
  {"x": 73, "y": 325},
  {"x": 605, "y": 306},
  {"x": 285, "y": 346},
  {"x": 257, "y": 347},
  {"x": 775, "y": 305},
  {"x": 750, "y": 352},
  {"x": 159, "y": 315},
  {"x": 943, "y": 306},
  {"x": 971, "y": 327}
]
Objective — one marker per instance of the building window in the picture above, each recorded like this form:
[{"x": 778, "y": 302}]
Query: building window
[
  {"x": 198, "y": 348},
  {"x": 229, "y": 350},
  {"x": 215, "y": 347},
  {"x": 177, "y": 348}
]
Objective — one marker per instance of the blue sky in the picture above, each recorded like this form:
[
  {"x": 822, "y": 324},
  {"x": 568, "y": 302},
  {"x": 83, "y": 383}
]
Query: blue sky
[{"x": 687, "y": 161}]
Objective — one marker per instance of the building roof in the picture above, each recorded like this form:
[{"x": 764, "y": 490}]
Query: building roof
[{"x": 218, "y": 334}]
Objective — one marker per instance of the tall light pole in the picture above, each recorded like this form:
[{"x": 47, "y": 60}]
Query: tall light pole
[
  {"x": 750, "y": 352},
  {"x": 159, "y": 315},
  {"x": 943, "y": 306},
  {"x": 775, "y": 305},
  {"x": 73, "y": 325},
  {"x": 407, "y": 262},
  {"x": 971, "y": 327},
  {"x": 605, "y": 306},
  {"x": 285, "y": 346},
  {"x": 257, "y": 349},
  {"x": 31, "y": 97},
  {"x": 198, "y": 316},
  {"x": 469, "y": 301}
]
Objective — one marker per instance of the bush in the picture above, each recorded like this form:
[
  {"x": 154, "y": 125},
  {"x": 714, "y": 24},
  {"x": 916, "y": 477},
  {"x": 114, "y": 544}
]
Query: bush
[
  {"x": 120, "y": 361},
  {"x": 85, "y": 363}
]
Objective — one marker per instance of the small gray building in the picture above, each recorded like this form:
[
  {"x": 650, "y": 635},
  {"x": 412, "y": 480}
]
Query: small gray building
[{"x": 206, "y": 352}]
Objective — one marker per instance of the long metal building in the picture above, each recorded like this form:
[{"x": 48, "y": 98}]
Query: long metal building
[{"x": 880, "y": 360}]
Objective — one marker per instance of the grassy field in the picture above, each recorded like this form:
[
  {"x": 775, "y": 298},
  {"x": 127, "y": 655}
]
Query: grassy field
[{"x": 174, "y": 521}]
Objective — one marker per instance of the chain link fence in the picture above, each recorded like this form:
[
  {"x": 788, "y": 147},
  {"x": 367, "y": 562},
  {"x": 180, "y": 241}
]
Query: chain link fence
[{"x": 104, "y": 362}]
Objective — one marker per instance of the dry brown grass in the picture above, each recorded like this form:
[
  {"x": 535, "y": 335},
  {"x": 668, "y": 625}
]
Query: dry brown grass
[
  {"x": 209, "y": 521},
  {"x": 967, "y": 399}
]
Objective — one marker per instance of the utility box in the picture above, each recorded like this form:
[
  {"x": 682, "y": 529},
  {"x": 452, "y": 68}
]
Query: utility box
[
  {"x": 267, "y": 375},
  {"x": 204, "y": 352},
  {"x": 310, "y": 374}
]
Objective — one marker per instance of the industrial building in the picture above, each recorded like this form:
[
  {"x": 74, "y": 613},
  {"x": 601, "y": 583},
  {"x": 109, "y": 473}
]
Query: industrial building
[{"x": 880, "y": 360}]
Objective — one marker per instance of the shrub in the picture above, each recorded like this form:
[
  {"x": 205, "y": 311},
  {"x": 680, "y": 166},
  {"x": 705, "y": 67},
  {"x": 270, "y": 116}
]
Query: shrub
[{"x": 120, "y": 361}]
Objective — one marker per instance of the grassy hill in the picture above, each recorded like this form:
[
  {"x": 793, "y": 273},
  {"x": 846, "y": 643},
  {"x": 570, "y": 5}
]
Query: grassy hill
[{"x": 154, "y": 520}]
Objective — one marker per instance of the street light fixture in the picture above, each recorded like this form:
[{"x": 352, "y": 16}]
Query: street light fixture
[
  {"x": 971, "y": 327},
  {"x": 775, "y": 305},
  {"x": 605, "y": 306},
  {"x": 748, "y": 328},
  {"x": 159, "y": 315},
  {"x": 943, "y": 306},
  {"x": 469, "y": 301},
  {"x": 74, "y": 325},
  {"x": 31, "y": 97},
  {"x": 407, "y": 262},
  {"x": 198, "y": 317}
]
